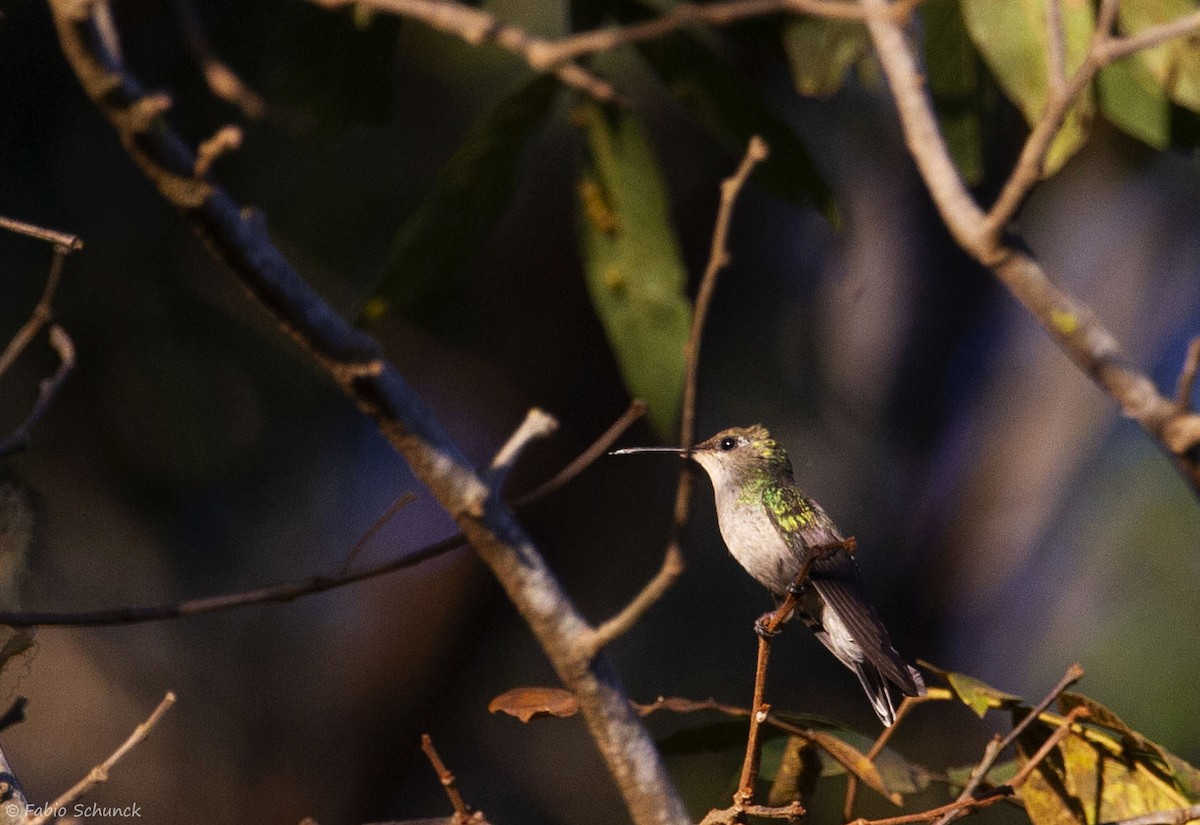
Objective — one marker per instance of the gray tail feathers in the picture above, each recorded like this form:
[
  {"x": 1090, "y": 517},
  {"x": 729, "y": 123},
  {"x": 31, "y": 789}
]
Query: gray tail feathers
[{"x": 879, "y": 691}]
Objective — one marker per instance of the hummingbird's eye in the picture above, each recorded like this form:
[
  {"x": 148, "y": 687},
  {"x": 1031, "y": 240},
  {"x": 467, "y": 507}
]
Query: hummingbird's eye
[{"x": 727, "y": 443}]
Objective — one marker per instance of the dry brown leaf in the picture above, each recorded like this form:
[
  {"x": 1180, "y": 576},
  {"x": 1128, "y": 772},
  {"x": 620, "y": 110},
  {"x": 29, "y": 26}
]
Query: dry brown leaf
[{"x": 527, "y": 702}]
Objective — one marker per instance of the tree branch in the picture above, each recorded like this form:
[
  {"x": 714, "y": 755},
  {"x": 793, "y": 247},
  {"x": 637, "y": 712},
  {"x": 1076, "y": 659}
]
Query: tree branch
[
  {"x": 290, "y": 591},
  {"x": 1074, "y": 327},
  {"x": 354, "y": 360},
  {"x": 476, "y": 26},
  {"x": 99, "y": 773},
  {"x": 47, "y": 391},
  {"x": 997, "y": 744}
]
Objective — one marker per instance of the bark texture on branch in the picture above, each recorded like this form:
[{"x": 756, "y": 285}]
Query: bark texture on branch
[{"x": 356, "y": 363}]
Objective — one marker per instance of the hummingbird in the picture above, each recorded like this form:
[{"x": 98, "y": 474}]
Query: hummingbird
[{"x": 771, "y": 528}]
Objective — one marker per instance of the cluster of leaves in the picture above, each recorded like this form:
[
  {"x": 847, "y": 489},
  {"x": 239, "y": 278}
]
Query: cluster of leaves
[
  {"x": 1102, "y": 771},
  {"x": 978, "y": 54}
]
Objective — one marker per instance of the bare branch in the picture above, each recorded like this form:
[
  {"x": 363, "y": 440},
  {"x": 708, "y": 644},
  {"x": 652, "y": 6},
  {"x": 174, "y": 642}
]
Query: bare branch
[
  {"x": 222, "y": 80},
  {"x": 476, "y": 26},
  {"x": 537, "y": 424},
  {"x": 672, "y": 567},
  {"x": 1050, "y": 744},
  {"x": 64, "y": 239},
  {"x": 99, "y": 773},
  {"x": 1056, "y": 48},
  {"x": 1176, "y": 817},
  {"x": 1078, "y": 332},
  {"x": 906, "y": 704},
  {"x": 673, "y": 562},
  {"x": 636, "y": 409},
  {"x": 1115, "y": 48},
  {"x": 395, "y": 507},
  {"x": 290, "y": 591},
  {"x": 354, "y": 360},
  {"x": 47, "y": 391},
  {"x": 462, "y": 811},
  {"x": 42, "y": 312},
  {"x": 226, "y": 139},
  {"x": 997, "y": 744}
]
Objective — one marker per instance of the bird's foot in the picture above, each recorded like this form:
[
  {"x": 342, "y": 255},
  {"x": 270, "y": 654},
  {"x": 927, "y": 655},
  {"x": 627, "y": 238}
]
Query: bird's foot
[{"x": 764, "y": 626}]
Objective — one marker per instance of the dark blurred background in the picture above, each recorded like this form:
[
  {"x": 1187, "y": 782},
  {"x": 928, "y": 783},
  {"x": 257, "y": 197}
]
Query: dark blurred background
[{"x": 1009, "y": 521}]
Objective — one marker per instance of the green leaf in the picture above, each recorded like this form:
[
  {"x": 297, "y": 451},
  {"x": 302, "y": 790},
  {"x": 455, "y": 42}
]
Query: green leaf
[
  {"x": 1133, "y": 101},
  {"x": 1175, "y": 65},
  {"x": 732, "y": 111},
  {"x": 1012, "y": 38},
  {"x": 634, "y": 271},
  {"x": 978, "y": 696},
  {"x": 467, "y": 199},
  {"x": 955, "y": 83},
  {"x": 820, "y": 52}
]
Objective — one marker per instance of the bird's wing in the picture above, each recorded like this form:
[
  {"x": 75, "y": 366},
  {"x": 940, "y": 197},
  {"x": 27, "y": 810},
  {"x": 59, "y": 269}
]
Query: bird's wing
[{"x": 803, "y": 524}]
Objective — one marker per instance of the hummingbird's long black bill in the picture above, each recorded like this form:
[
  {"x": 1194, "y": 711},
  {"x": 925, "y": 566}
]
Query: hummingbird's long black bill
[{"x": 632, "y": 450}]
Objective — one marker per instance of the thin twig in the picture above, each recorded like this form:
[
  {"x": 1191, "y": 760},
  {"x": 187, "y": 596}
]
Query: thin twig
[
  {"x": 64, "y": 239},
  {"x": 395, "y": 507},
  {"x": 958, "y": 806},
  {"x": 1102, "y": 50},
  {"x": 1056, "y": 48},
  {"x": 99, "y": 773},
  {"x": 462, "y": 811},
  {"x": 42, "y": 312},
  {"x": 356, "y": 363},
  {"x": 718, "y": 258},
  {"x": 1050, "y": 744},
  {"x": 668, "y": 572},
  {"x": 47, "y": 391},
  {"x": 310, "y": 585},
  {"x": 222, "y": 80},
  {"x": 906, "y": 704},
  {"x": 1076, "y": 329},
  {"x": 476, "y": 26},
  {"x": 673, "y": 562},
  {"x": 997, "y": 744},
  {"x": 766, "y": 627},
  {"x": 1179, "y": 816},
  {"x": 636, "y": 409},
  {"x": 536, "y": 424}
]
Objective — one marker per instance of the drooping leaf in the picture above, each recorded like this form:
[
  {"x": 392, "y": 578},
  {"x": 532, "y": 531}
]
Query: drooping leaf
[
  {"x": 820, "y": 52},
  {"x": 1174, "y": 64},
  {"x": 854, "y": 761},
  {"x": 1088, "y": 780},
  {"x": 634, "y": 271},
  {"x": 797, "y": 775},
  {"x": 899, "y": 775},
  {"x": 462, "y": 208},
  {"x": 1133, "y": 101},
  {"x": 726, "y": 105},
  {"x": 953, "y": 74},
  {"x": 1012, "y": 37},
  {"x": 525, "y": 703}
]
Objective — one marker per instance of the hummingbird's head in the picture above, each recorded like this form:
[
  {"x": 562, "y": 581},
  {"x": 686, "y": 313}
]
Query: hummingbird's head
[{"x": 741, "y": 453}]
